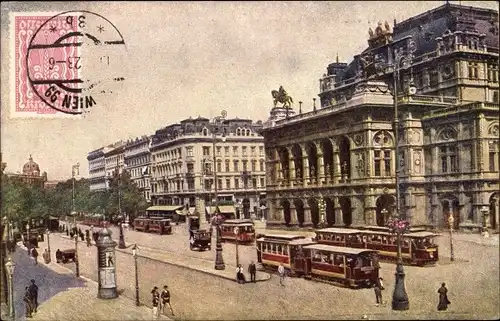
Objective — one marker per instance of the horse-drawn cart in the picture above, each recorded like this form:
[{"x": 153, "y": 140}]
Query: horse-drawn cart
[{"x": 65, "y": 256}]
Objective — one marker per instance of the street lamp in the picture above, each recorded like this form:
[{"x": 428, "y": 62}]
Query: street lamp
[
  {"x": 121, "y": 242},
  {"x": 401, "y": 61},
  {"x": 134, "y": 254},
  {"x": 10, "y": 266},
  {"x": 48, "y": 245},
  {"x": 237, "y": 234},
  {"x": 450, "y": 223},
  {"x": 28, "y": 233},
  {"x": 219, "y": 260},
  {"x": 77, "y": 264}
]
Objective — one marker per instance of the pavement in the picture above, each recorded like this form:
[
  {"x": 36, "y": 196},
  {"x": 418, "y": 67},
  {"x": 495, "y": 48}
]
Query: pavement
[{"x": 62, "y": 296}]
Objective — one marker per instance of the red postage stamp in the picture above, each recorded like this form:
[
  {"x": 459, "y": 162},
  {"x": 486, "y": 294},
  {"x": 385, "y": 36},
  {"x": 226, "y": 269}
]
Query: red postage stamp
[{"x": 61, "y": 64}]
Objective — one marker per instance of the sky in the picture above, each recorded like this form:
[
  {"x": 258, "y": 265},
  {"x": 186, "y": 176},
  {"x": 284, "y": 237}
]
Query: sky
[{"x": 189, "y": 59}]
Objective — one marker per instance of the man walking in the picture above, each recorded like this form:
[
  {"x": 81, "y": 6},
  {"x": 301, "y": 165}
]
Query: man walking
[
  {"x": 27, "y": 302},
  {"x": 33, "y": 290},
  {"x": 378, "y": 287},
  {"x": 34, "y": 254},
  {"x": 155, "y": 302},
  {"x": 165, "y": 299},
  {"x": 281, "y": 272},
  {"x": 252, "y": 270}
]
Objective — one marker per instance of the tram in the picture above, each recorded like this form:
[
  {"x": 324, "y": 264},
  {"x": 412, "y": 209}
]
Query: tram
[
  {"x": 301, "y": 256},
  {"x": 159, "y": 225},
  {"x": 141, "y": 224},
  {"x": 246, "y": 231},
  {"x": 417, "y": 248}
]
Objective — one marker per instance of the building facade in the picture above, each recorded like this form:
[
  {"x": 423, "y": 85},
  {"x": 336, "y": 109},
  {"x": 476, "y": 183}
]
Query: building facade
[
  {"x": 114, "y": 159},
  {"x": 97, "y": 170},
  {"x": 138, "y": 163},
  {"x": 441, "y": 71},
  {"x": 182, "y": 157}
]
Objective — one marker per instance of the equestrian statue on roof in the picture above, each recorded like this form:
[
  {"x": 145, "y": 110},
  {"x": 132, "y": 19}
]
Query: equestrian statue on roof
[{"x": 281, "y": 96}]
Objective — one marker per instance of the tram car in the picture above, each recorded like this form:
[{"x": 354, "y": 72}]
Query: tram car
[
  {"x": 141, "y": 224},
  {"x": 245, "y": 227},
  {"x": 91, "y": 220},
  {"x": 417, "y": 248},
  {"x": 301, "y": 256},
  {"x": 160, "y": 225}
]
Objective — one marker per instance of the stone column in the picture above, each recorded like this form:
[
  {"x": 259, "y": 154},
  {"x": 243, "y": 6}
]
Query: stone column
[
  {"x": 336, "y": 168},
  {"x": 337, "y": 212},
  {"x": 307, "y": 216},
  {"x": 293, "y": 214},
  {"x": 305, "y": 170},
  {"x": 321, "y": 169},
  {"x": 291, "y": 171},
  {"x": 481, "y": 150}
]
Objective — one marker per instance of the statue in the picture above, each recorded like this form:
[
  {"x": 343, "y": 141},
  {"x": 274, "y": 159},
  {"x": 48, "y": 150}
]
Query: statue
[
  {"x": 379, "y": 31},
  {"x": 370, "y": 32},
  {"x": 281, "y": 96},
  {"x": 387, "y": 26}
]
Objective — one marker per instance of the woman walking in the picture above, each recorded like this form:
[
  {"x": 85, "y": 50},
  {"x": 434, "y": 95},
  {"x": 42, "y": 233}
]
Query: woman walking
[{"x": 443, "y": 298}]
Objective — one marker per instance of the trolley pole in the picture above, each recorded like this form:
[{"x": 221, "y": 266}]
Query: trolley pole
[{"x": 77, "y": 264}]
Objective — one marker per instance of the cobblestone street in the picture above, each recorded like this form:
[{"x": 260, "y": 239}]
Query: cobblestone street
[{"x": 472, "y": 281}]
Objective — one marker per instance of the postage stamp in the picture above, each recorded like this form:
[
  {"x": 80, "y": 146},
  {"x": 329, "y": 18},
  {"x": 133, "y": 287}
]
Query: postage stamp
[{"x": 61, "y": 64}]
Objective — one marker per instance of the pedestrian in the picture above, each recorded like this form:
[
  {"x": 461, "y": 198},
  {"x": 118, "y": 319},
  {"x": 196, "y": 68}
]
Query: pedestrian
[
  {"x": 34, "y": 254},
  {"x": 281, "y": 272},
  {"x": 155, "y": 302},
  {"x": 443, "y": 298},
  {"x": 33, "y": 290},
  {"x": 252, "y": 270},
  {"x": 87, "y": 238},
  {"x": 27, "y": 301},
  {"x": 378, "y": 287},
  {"x": 240, "y": 277},
  {"x": 165, "y": 299}
]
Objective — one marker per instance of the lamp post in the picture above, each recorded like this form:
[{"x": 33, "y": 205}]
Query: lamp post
[
  {"x": 134, "y": 254},
  {"x": 28, "y": 233},
  {"x": 10, "y": 266},
  {"x": 219, "y": 260},
  {"x": 75, "y": 172},
  {"x": 121, "y": 242},
  {"x": 401, "y": 61},
  {"x": 237, "y": 235},
  {"x": 48, "y": 246},
  {"x": 450, "y": 223}
]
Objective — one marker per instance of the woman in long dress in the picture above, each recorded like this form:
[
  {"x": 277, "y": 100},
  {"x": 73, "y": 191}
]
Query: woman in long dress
[{"x": 443, "y": 298}]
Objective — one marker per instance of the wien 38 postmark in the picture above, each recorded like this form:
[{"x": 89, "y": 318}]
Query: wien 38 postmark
[{"x": 65, "y": 63}]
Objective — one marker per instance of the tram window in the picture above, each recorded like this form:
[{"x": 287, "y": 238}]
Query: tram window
[
  {"x": 405, "y": 243},
  {"x": 285, "y": 250},
  {"x": 278, "y": 249},
  {"x": 316, "y": 257},
  {"x": 265, "y": 247}
]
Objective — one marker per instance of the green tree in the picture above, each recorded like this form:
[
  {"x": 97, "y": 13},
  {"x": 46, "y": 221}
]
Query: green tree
[
  {"x": 15, "y": 199},
  {"x": 131, "y": 199}
]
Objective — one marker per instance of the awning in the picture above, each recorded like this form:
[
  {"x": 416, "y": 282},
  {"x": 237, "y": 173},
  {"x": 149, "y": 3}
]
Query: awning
[
  {"x": 170, "y": 208},
  {"x": 222, "y": 209}
]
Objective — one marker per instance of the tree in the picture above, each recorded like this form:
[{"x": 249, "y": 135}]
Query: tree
[
  {"x": 15, "y": 199},
  {"x": 124, "y": 192}
]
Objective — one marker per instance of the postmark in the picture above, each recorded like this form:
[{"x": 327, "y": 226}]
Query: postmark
[{"x": 64, "y": 64}]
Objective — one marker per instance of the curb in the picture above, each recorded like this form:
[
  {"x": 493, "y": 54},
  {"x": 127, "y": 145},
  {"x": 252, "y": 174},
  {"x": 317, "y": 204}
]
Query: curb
[
  {"x": 177, "y": 264},
  {"x": 193, "y": 268}
]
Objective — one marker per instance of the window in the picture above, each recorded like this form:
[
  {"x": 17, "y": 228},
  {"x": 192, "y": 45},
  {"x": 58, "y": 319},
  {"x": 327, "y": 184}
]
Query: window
[
  {"x": 261, "y": 150},
  {"x": 254, "y": 182},
  {"x": 208, "y": 168},
  {"x": 245, "y": 167},
  {"x": 228, "y": 183},
  {"x": 473, "y": 70},
  {"x": 382, "y": 160},
  {"x": 261, "y": 165},
  {"x": 254, "y": 165},
  {"x": 262, "y": 182},
  {"x": 189, "y": 151},
  {"x": 449, "y": 161},
  {"x": 227, "y": 165},
  {"x": 252, "y": 150},
  {"x": 206, "y": 151},
  {"x": 235, "y": 150},
  {"x": 190, "y": 184},
  {"x": 218, "y": 149},
  {"x": 495, "y": 96},
  {"x": 236, "y": 183},
  {"x": 219, "y": 166},
  {"x": 205, "y": 132},
  {"x": 226, "y": 150},
  {"x": 244, "y": 151},
  {"x": 219, "y": 183},
  {"x": 235, "y": 163},
  {"x": 493, "y": 72},
  {"x": 493, "y": 156}
]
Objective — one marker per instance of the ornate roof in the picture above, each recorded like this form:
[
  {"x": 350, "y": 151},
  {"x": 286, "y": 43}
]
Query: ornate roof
[{"x": 31, "y": 168}]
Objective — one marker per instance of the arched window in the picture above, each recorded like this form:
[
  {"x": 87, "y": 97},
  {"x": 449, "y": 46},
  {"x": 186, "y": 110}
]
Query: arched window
[
  {"x": 238, "y": 132},
  {"x": 205, "y": 132}
]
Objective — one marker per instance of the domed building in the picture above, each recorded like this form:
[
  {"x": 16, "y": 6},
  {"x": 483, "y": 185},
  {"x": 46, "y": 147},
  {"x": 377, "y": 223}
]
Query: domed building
[{"x": 31, "y": 174}]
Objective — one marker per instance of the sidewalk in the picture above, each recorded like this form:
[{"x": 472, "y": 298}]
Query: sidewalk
[
  {"x": 184, "y": 261},
  {"x": 62, "y": 296}
]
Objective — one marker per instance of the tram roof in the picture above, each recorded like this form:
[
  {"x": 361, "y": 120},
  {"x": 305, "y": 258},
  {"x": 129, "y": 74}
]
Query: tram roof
[
  {"x": 422, "y": 234},
  {"x": 337, "y": 249},
  {"x": 238, "y": 221},
  {"x": 339, "y": 230},
  {"x": 283, "y": 236}
]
